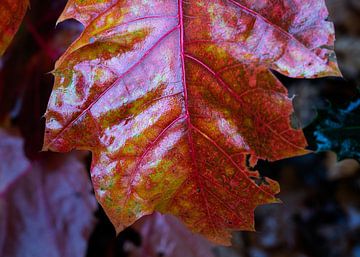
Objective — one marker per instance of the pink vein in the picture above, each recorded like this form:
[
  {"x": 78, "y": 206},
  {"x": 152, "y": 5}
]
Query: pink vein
[
  {"x": 287, "y": 34},
  {"x": 238, "y": 97},
  {"x": 142, "y": 18},
  {"x": 190, "y": 139},
  {"x": 227, "y": 156},
  {"x": 222, "y": 82},
  {"x": 225, "y": 204},
  {"x": 148, "y": 148},
  {"x": 217, "y": 184},
  {"x": 112, "y": 85},
  {"x": 91, "y": 22}
]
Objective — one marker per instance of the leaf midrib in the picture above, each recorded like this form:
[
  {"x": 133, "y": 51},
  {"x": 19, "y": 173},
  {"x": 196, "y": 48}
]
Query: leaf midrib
[
  {"x": 187, "y": 115},
  {"x": 180, "y": 15}
]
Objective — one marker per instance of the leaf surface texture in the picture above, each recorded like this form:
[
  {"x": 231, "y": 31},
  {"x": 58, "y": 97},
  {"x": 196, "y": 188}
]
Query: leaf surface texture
[{"x": 176, "y": 100}]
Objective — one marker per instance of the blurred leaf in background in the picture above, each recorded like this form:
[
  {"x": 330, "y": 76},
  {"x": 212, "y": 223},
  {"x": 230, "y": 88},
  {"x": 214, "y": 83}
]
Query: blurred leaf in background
[
  {"x": 46, "y": 206},
  {"x": 337, "y": 130}
]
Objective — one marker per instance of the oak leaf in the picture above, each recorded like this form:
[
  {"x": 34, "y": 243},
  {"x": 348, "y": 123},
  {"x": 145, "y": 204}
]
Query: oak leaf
[
  {"x": 176, "y": 101},
  {"x": 12, "y": 13}
]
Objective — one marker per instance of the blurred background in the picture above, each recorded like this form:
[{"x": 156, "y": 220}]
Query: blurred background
[{"x": 320, "y": 216}]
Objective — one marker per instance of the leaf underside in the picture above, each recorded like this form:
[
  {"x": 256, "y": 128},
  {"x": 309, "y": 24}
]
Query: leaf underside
[
  {"x": 175, "y": 100},
  {"x": 11, "y": 13}
]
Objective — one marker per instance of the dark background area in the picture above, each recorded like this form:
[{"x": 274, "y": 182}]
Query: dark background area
[{"x": 320, "y": 216}]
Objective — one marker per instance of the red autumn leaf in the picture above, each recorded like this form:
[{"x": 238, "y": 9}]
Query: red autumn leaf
[
  {"x": 164, "y": 235},
  {"x": 172, "y": 97},
  {"x": 46, "y": 206},
  {"x": 12, "y": 13}
]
